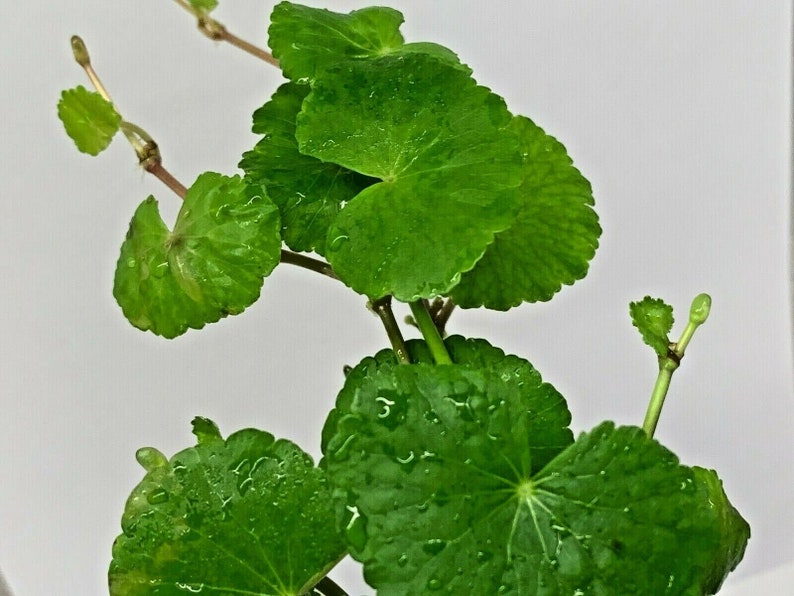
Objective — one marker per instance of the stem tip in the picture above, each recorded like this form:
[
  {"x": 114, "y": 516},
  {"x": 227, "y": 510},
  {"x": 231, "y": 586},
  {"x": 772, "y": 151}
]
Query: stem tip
[
  {"x": 80, "y": 51},
  {"x": 699, "y": 311}
]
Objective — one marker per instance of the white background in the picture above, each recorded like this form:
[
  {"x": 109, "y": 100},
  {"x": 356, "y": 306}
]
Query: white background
[{"x": 678, "y": 113}]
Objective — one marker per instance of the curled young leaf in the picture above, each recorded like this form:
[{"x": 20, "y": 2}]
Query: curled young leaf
[
  {"x": 654, "y": 320},
  {"x": 89, "y": 119},
  {"x": 225, "y": 241}
]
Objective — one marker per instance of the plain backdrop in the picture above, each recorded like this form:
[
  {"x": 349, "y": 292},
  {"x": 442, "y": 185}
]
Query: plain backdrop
[{"x": 678, "y": 112}]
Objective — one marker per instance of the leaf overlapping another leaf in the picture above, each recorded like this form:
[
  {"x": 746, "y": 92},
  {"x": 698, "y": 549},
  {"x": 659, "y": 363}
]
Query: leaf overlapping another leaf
[
  {"x": 90, "y": 120},
  {"x": 464, "y": 478},
  {"x": 552, "y": 239},
  {"x": 449, "y": 170},
  {"x": 308, "y": 192},
  {"x": 225, "y": 241},
  {"x": 248, "y": 515}
]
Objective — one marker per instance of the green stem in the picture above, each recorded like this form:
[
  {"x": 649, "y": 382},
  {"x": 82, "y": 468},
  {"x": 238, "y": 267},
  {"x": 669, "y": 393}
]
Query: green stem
[
  {"x": 382, "y": 308},
  {"x": 430, "y": 332},
  {"x": 316, "y": 265},
  {"x": 698, "y": 313}
]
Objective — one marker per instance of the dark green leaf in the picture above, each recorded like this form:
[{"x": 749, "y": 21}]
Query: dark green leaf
[
  {"x": 90, "y": 120},
  {"x": 441, "y": 469},
  {"x": 450, "y": 171},
  {"x": 307, "y": 40},
  {"x": 249, "y": 515},
  {"x": 654, "y": 319},
  {"x": 225, "y": 241},
  {"x": 309, "y": 193},
  {"x": 552, "y": 240}
]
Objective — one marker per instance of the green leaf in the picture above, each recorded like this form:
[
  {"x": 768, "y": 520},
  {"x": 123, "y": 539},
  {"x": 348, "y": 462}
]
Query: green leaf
[
  {"x": 552, "y": 239},
  {"x": 308, "y": 41},
  {"x": 225, "y": 241},
  {"x": 450, "y": 171},
  {"x": 204, "y": 6},
  {"x": 309, "y": 192},
  {"x": 447, "y": 478},
  {"x": 90, "y": 120},
  {"x": 248, "y": 515},
  {"x": 654, "y": 319}
]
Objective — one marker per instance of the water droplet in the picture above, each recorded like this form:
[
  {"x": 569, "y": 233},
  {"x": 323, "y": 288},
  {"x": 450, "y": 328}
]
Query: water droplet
[
  {"x": 403, "y": 560},
  {"x": 157, "y": 496},
  {"x": 160, "y": 270},
  {"x": 434, "y": 584},
  {"x": 245, "y": 485},
  {"x": 192, "y": 588},
  {"x": 484, "y": 556},
  {"x": 386, "y": 404},
  {"x": 222, "y": 212},
  {"x": 131, "y": 262},
  {"x": 434, "y": 546},
  {"x": 337, "y": 242}
]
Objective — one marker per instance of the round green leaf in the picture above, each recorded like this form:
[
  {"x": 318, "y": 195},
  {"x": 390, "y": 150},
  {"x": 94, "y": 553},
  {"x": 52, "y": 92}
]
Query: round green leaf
[
  {"x": 553, "y": 238},
  {"x": 249, "y": 515},
  {"x": 654, "y": 320},
  {"x": 309, "y": 192},
  {"x": 308, "y": 40},
  {"x": 463, "y": 479},
  {"x": 225, "y": 241},
  {"x": 89, "y": 119},
  {"x": 449, "y": 169}
]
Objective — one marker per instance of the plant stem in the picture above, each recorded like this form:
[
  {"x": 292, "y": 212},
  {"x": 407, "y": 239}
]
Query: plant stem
[
  {"x": 327, "y": 587},
  {"x": 698, "y": 313},
  {"x": 382, "y": 308},
  {"x": 442, "y": 316},
  {"x": 156, "y": 169},
  {"x": 316, "y": 265},
  {"x": 430, "y": 332},
  {"x": 218, "y": 32}
]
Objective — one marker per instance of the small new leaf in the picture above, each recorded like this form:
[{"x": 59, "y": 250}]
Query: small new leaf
[
  {"x": 654, "y": 319},
  {"x": 248, "y": 515},
  {"x": 89, "y": 119},
  {"x": 225, "y": 241}
]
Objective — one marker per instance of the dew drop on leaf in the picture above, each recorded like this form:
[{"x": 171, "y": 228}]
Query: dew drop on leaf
[
  {"x": 434, "y": 546},
  {"x": 403, "y": 560},
  {"x": 434, "y": 584},
  {"x": 157, "y": 496}
]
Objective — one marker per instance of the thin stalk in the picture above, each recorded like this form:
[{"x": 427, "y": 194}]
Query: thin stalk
[
  {"x": 316, "y": 265},
  {"x": 698, "y": 313},
  {"x": 382, "y": 308},
  {"x": 441, "y": 317},
  {"x": 156, "y": 169},
  {"x": 430, "y": 332},
  {"x": 218, "y": 32}
]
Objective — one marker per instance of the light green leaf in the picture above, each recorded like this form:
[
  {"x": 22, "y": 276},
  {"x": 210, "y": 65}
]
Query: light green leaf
[
  {"x": 309, "y": 192},
  {"x": 248, "y": 515},
  {"x": 90, "y": 120},
  {"x": 654, "y": 319},
  {"x": 225, "y": 241},
  {"x": 204, "y": 6},
  {"x": 307, "y": 40},
  {"x": 450, "y": 171},
  {"x": 439, "y": 466},
  {"x": 552, "y": 239}
]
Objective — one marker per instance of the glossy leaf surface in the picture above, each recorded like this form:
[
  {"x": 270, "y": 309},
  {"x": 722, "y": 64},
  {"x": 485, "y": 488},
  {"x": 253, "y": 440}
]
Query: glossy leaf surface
[
  {"x": 551, "y": 241},
  {"x": 225, "y": 241},
  {"x": 309, "y": 192},
  {"x": 449, "y": 170},
  {"x": 439, "y": 466},
  {"x": 654, "y": 320},
  {"x": 89, "y": 119},
  {"x": 248, "y": 515}
]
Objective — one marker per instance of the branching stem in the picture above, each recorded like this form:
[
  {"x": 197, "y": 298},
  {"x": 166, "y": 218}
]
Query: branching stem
[
  {"x": 382, "y": 308},
  {"x": 698, "y": 313},
  {"x": 218, "y": 32},
  {"x": 430, "y": 332}
]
